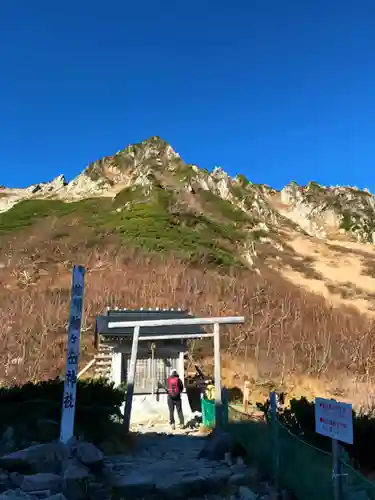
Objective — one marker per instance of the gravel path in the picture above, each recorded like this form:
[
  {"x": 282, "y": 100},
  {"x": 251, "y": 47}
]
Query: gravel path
[{"x": 165, "y": 464}]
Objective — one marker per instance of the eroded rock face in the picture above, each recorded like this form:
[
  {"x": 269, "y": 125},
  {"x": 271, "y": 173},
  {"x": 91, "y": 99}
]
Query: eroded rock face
[
  {"x": 322, "y": 210},
  {"x": 84, "y": 186},
  {"x": 317, "y": 210}
]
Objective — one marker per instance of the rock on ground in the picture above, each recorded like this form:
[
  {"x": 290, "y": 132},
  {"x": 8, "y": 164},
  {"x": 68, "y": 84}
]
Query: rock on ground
[
  {"x": 41, "y": 481},
  {"x": 46, "y": 457},
  {"x": 173, "y": 465},
  {"x": 53, "y": 471},
  {"x": 162, "y": 464}
]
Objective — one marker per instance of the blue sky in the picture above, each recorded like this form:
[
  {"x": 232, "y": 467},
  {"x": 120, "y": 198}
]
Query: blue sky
[{"x": 278, "y": 90}]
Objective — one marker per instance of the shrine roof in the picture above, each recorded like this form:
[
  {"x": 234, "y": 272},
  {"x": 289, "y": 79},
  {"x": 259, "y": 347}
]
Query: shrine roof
[{"x": 131, "y": 315}]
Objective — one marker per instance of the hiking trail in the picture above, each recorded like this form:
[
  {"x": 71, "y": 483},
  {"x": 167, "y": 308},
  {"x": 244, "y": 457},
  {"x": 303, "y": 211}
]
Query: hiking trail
[{"x": 165, "y": 464}]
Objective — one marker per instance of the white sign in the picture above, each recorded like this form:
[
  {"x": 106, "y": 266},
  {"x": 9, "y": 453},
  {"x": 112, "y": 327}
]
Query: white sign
[
  {"x": 72, "y": 356},
  {"x": 334, "y": 420}
]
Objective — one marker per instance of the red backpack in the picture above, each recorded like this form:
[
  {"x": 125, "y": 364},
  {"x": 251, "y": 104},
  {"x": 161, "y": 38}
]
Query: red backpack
[{"x": 173, "y": 386}]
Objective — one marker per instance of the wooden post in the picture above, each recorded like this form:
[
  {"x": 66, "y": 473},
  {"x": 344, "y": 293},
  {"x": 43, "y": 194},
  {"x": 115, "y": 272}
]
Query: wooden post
[
  {"x": 246, "y": 396},
  {"x": 218, "y": 398},
  {"x": 336, "y": 470},
  {"x": 131, "y": 378},
  {"x": 153, "y": 371},
  {"x": 72, "y": 355}
]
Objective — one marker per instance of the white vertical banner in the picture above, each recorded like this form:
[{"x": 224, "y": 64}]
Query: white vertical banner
[{"x": 72, "y": 356}]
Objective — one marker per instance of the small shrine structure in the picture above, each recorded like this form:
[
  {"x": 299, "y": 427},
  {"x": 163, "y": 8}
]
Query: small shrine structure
[{"x": 139, "y": 348}]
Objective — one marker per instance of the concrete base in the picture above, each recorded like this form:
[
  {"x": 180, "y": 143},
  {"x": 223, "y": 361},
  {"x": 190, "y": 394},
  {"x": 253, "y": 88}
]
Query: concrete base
[{"x": 148, "y": 407}]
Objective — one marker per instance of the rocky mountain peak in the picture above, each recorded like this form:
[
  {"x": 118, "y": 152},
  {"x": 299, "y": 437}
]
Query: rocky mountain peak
[
  {"x": 131, "y": 165},
  {"x": 319, "y": 210}
]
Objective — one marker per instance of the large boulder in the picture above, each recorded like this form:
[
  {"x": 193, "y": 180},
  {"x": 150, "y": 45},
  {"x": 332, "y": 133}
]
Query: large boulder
[
  {"x": 75, "y": 479},
  {"x": 46, "y": 457},
  {"x": 41, "y": 481},
  {"x": 220, "y": 445},
  {"x": 88, "y": 454},
  {"x": 74, "y": 470},
  {"x": 15, "y": 495},
  {"x": 69, "y": 470}
]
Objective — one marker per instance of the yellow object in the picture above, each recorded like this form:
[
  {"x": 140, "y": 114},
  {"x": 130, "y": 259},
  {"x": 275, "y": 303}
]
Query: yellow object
[{"x": 210, "y": 392}]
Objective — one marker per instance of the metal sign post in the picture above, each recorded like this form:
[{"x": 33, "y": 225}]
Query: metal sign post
[
  {"x": 336, "y": 470},
  {"x": 335, "y": 420},
  {"x": 275, "y": 437},
  {"x": 72, "y": 357}
]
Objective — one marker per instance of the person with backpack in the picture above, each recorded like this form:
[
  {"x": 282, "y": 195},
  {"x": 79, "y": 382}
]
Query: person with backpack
[{"x": 175, "y": 388}]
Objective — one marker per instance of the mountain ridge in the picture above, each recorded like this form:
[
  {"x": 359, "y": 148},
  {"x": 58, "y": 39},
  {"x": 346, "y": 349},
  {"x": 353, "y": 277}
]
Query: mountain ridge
[
  {"x": 148, "y": 196},
  {"x": 313, "y": 207},
  {"x": 154, "y": 231}
]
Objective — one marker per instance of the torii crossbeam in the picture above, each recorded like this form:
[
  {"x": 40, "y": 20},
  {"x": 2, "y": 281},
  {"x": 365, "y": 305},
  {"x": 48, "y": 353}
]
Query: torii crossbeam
[{"x": 137, "y": 325}]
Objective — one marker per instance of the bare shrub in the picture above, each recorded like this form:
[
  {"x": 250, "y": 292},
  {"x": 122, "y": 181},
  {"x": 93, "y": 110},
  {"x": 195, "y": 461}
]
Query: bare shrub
[{"x": 286, "y": 329}]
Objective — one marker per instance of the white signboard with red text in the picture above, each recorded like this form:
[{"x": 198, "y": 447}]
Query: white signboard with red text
[{"x": 334, "y": 419}]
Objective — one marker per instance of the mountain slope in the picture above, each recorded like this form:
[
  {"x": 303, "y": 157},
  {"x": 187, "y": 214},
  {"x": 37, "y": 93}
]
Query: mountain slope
[
  {"x": 155, "y": 231},
  {"x": 147, "y": 194},
  {"x": 150, "y": 198}
]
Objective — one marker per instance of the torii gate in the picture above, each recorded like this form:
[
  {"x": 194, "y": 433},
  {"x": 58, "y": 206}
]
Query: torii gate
[{"x": 137, "y": 325}]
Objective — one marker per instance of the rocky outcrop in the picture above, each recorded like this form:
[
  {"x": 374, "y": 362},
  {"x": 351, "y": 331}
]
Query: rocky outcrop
[
  {"x": 85, "y": 186},
  {"x": 322, "y": 210},
  {"x": 48, "y": 187},
  {"x": 318, "y": 210},
  {"x": 53, "y": 471}
]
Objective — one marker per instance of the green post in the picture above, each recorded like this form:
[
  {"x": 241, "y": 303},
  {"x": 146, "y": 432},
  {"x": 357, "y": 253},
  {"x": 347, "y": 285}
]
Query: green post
[{"x": 225, "y": 399}]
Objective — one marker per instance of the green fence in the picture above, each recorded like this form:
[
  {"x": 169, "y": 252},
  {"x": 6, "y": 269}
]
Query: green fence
[
  {"x": 209, "y": 413},
  {"x": 294, "y": 464}
]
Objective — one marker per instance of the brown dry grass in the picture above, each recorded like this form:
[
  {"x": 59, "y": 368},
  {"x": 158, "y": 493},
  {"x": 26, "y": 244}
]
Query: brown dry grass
[
  {"x": 342, "y": 272},
  {"x": 288, "y": 332}
]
